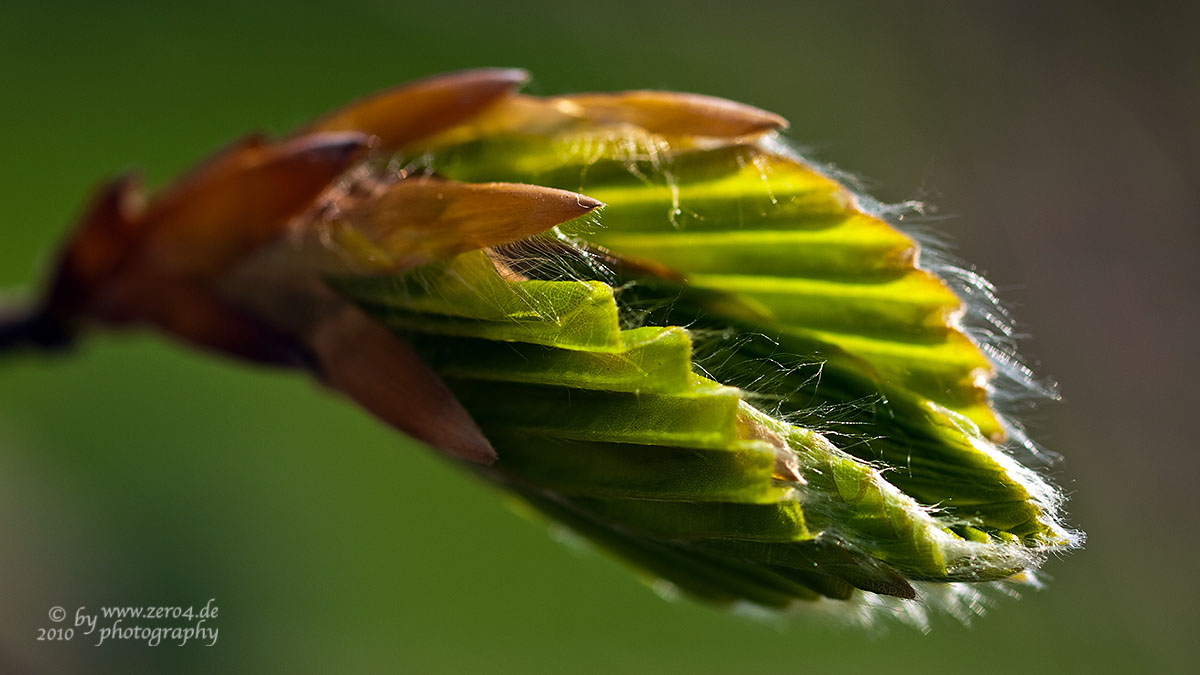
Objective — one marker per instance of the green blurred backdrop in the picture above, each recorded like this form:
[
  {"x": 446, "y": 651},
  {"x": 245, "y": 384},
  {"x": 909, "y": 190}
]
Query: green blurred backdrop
[{"x": 1062, "y": 143}]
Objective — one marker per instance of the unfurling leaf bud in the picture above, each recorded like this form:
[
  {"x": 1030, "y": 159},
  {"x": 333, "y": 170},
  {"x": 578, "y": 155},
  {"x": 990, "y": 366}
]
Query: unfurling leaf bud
[{"x": 642, "y": 313}]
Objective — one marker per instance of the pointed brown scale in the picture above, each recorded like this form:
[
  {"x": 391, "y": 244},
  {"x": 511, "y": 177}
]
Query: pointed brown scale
[
  {"x": 220, "y": 162},
  {"x": 98, "y": 245},
  {"x": 363, "y": 360},
  {"x": 413, "y": 111},
  {"x": 676, "y": 114},
  {"x": 422, "y": 219},
  {"x": 194, "y": 313},
  {"x": 240, "y": 201},
  {"x": 91, "y": 255}
]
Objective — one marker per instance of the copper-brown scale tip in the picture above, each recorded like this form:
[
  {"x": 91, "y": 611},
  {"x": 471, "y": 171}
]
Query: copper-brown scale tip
[{"x": 419, "y": 109}]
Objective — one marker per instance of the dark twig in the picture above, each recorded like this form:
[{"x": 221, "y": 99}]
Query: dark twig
[{"x": 24, "y": 328}]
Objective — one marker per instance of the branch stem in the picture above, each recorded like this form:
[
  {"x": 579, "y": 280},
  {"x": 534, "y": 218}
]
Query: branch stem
[{"x": 33, "y": 329}]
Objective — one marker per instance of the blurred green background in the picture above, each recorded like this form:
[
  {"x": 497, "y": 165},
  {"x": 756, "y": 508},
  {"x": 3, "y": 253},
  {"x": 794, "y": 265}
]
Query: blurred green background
[{"x": 1062, "y": 145}]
